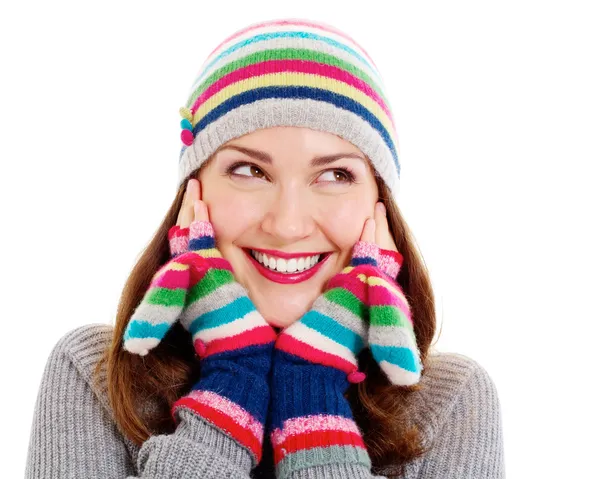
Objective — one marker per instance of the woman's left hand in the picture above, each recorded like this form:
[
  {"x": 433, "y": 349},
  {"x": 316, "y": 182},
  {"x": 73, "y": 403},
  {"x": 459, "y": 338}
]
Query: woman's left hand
[{"x": 379, "y": 231}]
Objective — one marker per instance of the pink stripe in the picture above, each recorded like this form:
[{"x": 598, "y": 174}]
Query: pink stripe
[
  {"x": 385, "y": 302},
  {"x": 233, "y": 410},
  {"x": 292, "y": 345},
  {"x": 198, "y": 229},
  {"x": 299, "y": 66},
  {"x": 202, "y": 265},
  {"x": 380, "y": 296},
  {"x": 173, "y": 279},
  {"x": 253, "y": 337},
  {"x": 308, "y": 424},
  {"x": 303, "y": 23},
  {"x": 364, "y": 249},
  {"x": 178, "y": 244},
  {"x": 389, "y": 264},
  {"x": 350, "y": 282}
]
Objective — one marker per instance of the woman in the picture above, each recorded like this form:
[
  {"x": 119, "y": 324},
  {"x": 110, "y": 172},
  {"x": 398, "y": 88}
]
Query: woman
[{"x": 280, "y": 322}]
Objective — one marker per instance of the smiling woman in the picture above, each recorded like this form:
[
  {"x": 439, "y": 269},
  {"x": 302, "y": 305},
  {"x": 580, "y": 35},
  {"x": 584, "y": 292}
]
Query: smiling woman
[
  {"x": 280, "y": 322},
  {"x": 288, "y": 189}
]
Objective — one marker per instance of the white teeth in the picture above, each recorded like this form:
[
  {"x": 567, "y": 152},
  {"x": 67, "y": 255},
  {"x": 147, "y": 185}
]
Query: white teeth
[
  {"x": 281, "y": 265},
  {"x": 286, "y": 266},
  {"x": 292, "y": 265}
]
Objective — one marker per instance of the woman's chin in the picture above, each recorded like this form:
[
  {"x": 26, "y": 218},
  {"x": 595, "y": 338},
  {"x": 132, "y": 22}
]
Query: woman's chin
[{"x": 283, "y": 312}]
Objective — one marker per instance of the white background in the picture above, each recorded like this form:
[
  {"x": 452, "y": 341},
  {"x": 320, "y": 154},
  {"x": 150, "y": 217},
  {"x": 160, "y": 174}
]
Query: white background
[{"x": 498, "y": 113}]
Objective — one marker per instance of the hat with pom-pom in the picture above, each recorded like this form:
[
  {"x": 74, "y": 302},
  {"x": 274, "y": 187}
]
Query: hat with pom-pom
[{"x": 289, "y": 73}]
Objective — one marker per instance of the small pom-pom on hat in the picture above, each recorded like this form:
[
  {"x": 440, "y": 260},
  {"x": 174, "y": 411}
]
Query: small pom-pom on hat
[
  {"x": 187, "y": 135},
  {"x": 186, "y": 113}
]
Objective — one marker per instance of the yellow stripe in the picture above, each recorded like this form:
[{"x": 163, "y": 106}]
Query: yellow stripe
[
  {"x": 208, "y": 253},
  {"x": 294, "y": 79},
  {"x": 172, "y": 266}
]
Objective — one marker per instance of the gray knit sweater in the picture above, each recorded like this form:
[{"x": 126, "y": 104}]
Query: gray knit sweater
[{"x": 73, "y": 434}]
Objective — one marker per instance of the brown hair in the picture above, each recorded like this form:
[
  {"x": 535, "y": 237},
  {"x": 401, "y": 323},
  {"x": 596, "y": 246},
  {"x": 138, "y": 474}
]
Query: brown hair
[{"x": 169, "y": 371}]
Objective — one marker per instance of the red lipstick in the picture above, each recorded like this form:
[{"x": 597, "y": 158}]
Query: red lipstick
[{"x": 286, "y": 278}]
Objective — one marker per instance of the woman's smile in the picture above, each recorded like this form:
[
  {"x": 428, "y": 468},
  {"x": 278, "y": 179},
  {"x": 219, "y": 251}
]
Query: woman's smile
[{"x": 300, "y": 267}]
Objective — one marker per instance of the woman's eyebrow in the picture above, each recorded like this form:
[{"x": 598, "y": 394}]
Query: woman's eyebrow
[{"x": 315, "y": 162}]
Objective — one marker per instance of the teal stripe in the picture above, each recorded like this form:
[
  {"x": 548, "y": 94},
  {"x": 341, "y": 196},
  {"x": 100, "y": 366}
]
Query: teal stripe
[
  {"x": 400, "y": 356},
  {"x": 333, "y": 330},
  {"x": 270, "y": 36},
  {"x": 144, "y": 329},
  {"x": 227, "y": 314}
]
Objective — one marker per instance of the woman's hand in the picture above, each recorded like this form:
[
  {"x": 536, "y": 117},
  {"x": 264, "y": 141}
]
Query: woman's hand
[
  {"x": 362, "y": 306},
  {"x": 390, "y": 260},
  {"x": 197, "y": 288},
  {"x": 316, "y": 357},
  {"x": 380, "y": 233},
  {"x": 193, "y": 192},
  {"x": 179, "y": 233}
]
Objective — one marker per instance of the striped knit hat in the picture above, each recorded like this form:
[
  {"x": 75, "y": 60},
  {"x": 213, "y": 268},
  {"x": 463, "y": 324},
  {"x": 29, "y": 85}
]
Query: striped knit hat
[{"x": 289, "y": 73}]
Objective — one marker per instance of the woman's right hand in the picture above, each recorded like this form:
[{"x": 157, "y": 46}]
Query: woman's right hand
[
  {"x": 179, "y": 233},
  {"x": 218, "y": 312},
  {"x": 193, "y": 192}
]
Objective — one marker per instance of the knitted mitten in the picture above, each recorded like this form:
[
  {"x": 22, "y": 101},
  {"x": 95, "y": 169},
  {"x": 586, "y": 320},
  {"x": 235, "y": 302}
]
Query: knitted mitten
[
  {"x": 178, "y": 240},
  {"x": 228, "y": 332},
  {"x": 164, "y": 300},
  {"x": 390, "y": 262},
  {"x": 315, "y": 359}
]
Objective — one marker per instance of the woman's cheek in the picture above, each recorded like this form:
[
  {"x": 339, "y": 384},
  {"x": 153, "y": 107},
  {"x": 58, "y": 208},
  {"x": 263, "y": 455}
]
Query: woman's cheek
[
  {"x": 345, "y": 221},
  {"x": 222, "y": 209}
]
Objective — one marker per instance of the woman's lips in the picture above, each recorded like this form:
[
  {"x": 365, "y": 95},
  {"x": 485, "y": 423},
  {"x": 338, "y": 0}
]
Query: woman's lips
[{"x": 286, "y": 278}]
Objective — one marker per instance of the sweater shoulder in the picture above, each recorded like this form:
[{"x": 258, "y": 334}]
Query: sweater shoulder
[
  {"x": 446, "y": 378},
  {"x": 85, "y": 346}
]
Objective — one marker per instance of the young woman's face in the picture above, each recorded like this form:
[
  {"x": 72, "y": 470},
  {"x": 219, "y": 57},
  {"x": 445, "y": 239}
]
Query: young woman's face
[{"x": 279, "y": 189}]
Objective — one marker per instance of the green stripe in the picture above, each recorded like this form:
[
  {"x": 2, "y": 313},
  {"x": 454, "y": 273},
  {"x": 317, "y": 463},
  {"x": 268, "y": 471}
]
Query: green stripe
[
  {"x": 388, "y": 316},
  {"x": 347, "y": 300},
  {"x": 213, "y": 279},
  {"x": 284, "y": 54},
  {"x": 166, "y": 297}
]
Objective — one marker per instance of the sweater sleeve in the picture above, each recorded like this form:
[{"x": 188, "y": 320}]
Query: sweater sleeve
[
  {"x": 470, "y": 443},
  {"x": 72, "y": 435}
]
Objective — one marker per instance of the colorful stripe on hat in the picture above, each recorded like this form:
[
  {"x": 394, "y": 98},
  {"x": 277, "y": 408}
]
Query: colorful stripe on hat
[{"x": 293, "y": 60}]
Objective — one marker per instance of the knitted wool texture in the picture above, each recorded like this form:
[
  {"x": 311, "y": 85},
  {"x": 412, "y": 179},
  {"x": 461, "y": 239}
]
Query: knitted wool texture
[
  {"x": 315, "y": 358},
  {"x": 197, "y": 288},
  {"x": 387, "y": 328},
  {"x": 289, "y": 73}
]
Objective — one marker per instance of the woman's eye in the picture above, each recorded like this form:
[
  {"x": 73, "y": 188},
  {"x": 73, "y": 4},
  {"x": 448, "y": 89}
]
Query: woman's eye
[
  {"x": 339, "y": 176},
  {"x": 251, "y": 171}
]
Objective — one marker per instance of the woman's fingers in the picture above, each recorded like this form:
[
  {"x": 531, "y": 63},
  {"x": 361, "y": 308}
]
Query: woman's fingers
[
  {"x": 368, "y": 233},
  {"x": 383, "y": 236},
  {"x": 186, "y": 213},
  {"x": 200, "y": 211}
]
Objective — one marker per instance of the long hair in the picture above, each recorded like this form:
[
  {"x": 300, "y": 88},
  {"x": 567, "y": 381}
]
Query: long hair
[{"x": 170, "y": 370}]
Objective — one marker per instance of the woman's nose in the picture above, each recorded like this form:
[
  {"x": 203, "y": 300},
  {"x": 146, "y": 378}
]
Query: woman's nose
[{"x": 288, "y": 218}]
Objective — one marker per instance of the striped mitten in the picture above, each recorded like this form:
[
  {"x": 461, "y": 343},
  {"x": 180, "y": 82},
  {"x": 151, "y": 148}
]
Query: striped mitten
[
  {"x": 233, "y": 339},
  {"x": 315, "y": 359},
  {"x": 164, "y": 300},
  {"x": 236, "y": 345}
]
